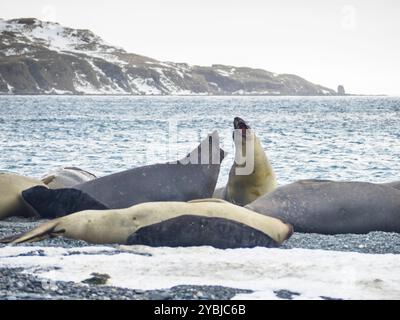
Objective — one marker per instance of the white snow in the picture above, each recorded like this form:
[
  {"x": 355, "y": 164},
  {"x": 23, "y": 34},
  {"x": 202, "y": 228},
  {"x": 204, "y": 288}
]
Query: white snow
[
  {"x": 62, "y": 39},
  {"x": 144, "y": 86},
  {"x": 9, "y": 52},
  {"x": 326, "y": 92},
  {"x": 266, "y": 92},
  {"x": 57, "y": 91},
  {"x": 223, "y": 73},
  {"x": 83, "y": 86},
  {"x": 226, "y": 73},
  {"x": 14, "y": 52},
  {"x": 10, "y": 88},
  {"x": 311, "y": 273}
]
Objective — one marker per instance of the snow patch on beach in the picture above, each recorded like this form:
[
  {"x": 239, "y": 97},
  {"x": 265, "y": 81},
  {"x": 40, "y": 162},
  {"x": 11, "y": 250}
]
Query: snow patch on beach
[{"x": 310, "y": 273}]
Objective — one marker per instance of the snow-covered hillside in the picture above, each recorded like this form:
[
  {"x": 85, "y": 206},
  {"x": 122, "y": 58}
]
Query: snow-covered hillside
[{"x": 39, "y": 57}]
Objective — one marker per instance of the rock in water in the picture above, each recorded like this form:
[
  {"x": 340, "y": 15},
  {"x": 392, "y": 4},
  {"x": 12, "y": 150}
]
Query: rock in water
[{"x": 341, "y": 91}]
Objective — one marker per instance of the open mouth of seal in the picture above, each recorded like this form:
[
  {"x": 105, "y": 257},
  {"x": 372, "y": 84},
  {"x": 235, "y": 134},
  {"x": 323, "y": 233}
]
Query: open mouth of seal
[{"x": 240, "y": 124}]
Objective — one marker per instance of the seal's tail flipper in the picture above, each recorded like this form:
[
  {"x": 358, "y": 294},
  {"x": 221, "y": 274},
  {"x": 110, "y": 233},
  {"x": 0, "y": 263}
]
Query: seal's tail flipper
[{"x": 44, "y": 231}]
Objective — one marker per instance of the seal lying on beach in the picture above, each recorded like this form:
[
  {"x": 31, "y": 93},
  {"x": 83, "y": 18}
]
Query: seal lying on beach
[
  {"x": 244, "y": 187},
  {"x": 192, "y": 177},
  {"x": 331, "y": 207},
  {"x": 66, "y": 177},
  {"x": 209, "y": 222},
  {"x": 11, "y": 202}
]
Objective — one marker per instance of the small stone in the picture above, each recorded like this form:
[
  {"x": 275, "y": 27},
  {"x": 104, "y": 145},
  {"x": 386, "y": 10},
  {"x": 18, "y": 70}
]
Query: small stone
[
  {"x": 137, "y": 291},
  {"x": 97, "y": 279}
]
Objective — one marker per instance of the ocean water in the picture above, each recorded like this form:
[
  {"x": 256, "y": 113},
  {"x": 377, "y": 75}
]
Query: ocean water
[{"x": 342, "y": 138}]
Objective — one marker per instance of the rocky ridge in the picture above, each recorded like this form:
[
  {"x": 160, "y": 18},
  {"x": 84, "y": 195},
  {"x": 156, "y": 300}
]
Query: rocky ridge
[{"x": 38, "y": 57}]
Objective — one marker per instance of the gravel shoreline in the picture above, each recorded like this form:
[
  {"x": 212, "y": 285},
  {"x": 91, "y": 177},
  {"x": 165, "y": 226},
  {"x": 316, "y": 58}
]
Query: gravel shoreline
[{"x": 14, "y": 284}]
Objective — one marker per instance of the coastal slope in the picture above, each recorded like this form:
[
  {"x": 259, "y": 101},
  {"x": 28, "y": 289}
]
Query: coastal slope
[{"x": 38, "y": 57}]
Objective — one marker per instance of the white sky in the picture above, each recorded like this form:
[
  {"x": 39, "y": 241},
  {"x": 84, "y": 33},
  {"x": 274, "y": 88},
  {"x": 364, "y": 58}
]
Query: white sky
[{"x": 355, "y": 42}]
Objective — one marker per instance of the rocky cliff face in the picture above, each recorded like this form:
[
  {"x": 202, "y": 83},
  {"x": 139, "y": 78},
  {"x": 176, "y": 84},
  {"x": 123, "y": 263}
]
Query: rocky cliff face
[{"x": 39, "y": 57}]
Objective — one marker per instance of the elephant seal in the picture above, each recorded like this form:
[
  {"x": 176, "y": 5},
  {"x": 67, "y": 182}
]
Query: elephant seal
[
  {"x": 11, "y": 202},
  {"x": 192, "y": 177},
  {"x": 245, "y": 186},
  {"x": 66, "y": 177},
  {"x": 210, "y": 222},
  {"x": 332, "y": 207}
]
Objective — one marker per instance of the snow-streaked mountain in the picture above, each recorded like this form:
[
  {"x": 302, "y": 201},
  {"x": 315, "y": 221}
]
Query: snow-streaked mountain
[{"x": 39, "y": 57}]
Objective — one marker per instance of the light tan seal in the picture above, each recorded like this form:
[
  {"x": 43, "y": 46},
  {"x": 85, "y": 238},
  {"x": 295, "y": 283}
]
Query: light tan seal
[
  {"x": 11, "y": 201},
  {"x": 210, "y": 222},
  {"x": 243, "y": 186}
]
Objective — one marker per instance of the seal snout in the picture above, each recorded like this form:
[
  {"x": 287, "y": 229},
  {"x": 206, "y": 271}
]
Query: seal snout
[{"x": 291, "y": 230}]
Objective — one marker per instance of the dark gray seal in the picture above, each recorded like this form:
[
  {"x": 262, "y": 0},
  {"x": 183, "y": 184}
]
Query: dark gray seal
[
  {"x": 193, "y": 177},
  {"x": 331, "y": 207},
  {"x": 393, "y": 184}
]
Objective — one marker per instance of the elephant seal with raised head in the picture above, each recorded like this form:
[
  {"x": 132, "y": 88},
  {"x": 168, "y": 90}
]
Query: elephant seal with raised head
[
  {"x": 209, "y": 222},
  {"x": 251, "y": 175},
  {"x": 332, "y": 207},
  {"x": 66, "y": 177},
  {"x": 192, "y": 177},
  {"x": 11, "y": 202}
]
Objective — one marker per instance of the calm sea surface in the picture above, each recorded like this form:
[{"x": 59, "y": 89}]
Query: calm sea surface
[{"x": 341, "y": 138}]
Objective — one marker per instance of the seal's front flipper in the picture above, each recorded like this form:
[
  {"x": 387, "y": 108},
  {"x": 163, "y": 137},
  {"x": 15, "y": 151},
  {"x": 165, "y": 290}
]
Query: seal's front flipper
[{"x": 50, "y": 204}]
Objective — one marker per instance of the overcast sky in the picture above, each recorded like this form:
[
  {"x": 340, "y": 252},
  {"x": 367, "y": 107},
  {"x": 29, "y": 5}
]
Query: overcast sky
[{"x": 355, "y": 42}]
